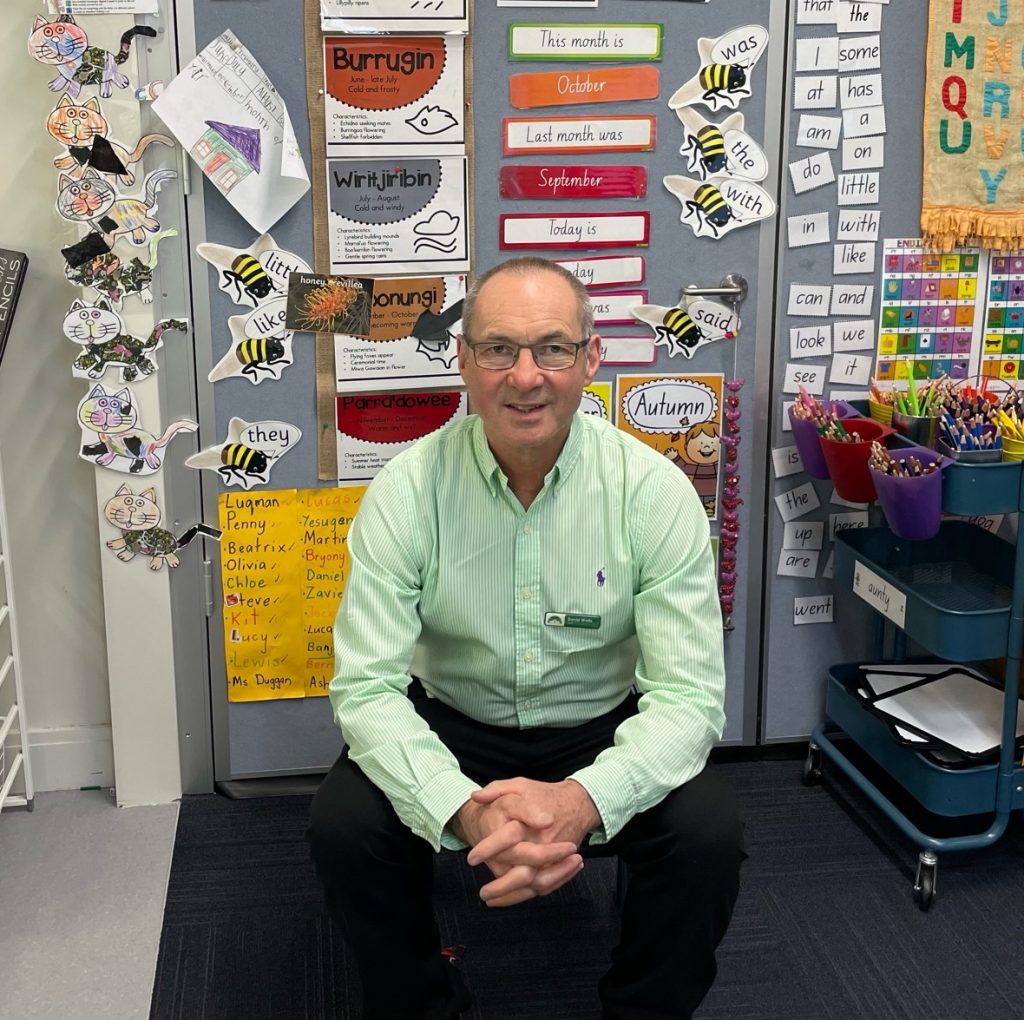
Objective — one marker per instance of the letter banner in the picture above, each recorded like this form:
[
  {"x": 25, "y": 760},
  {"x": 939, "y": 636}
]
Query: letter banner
[{"x": 973, "y": 171}]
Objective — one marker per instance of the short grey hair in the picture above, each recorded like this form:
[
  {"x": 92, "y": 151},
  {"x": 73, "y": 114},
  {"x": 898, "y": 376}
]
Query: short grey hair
[{"x": 524, "y": 265}]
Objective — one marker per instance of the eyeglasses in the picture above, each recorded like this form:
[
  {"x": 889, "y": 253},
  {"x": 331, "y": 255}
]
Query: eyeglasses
[{"x": 554, "y": 356}]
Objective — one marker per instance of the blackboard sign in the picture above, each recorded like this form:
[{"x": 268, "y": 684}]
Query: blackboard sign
[{"x": 13, "y": 265}]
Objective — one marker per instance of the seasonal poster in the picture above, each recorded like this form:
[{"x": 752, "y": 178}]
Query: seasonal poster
[
  {"x": 374, "y": 427},
  {"x": 411, "y": 339},
  {"x": 680, "y": 416},
  {"x": 399, "y": 95}
]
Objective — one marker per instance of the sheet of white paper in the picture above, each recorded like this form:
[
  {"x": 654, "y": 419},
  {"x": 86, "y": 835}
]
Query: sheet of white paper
[
  {"x": 816, "y": 12},
  {"x": 851, "y": 369},
  {"x": 865, "y": 120},
  {"x": 229, "y": 117},
  {"x": 853, "y": 257},
  {"x": 859, "y": 52},
  {"x": 815, "y": 132},
  {"x": 796, "y": 502},
  {"x": 815, "y": 92},
  {"x": 860, "y": 90},
  {"x": 794, "y": 563},
  {"x": 786, "y": 461},
  {"x": 851, "y": 299},
  {"x": 858, "y": 225},
  {"x": 812, "y": 609},
  {"x": 807, "y": 377},
  {"x": 843, "y": 522},
  {"x": 810, "y": 341},
  {"x": 78, "y": 8},
  {"x": 864, "y": 153},
  {"x": 807, "y": 230},
  {"x": 817, "y": 54},
  {"x": 803, "y": 535},
  {"x": 808, "y": 299},
  {"x": 810, "y": 173},
  {"x": 856, "y": 335},
  {"x": 858, "y": 17}
]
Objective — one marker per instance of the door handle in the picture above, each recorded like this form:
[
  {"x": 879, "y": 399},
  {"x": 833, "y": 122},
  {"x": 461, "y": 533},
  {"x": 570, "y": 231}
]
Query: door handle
[{"x": 732, "y": 289}]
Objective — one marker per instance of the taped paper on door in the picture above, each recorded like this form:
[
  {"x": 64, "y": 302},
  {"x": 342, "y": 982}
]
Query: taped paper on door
[{"x": 231, "y": 120}]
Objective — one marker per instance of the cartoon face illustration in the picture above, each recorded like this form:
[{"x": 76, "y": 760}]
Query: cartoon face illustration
[{"x": 702, "y": 445}]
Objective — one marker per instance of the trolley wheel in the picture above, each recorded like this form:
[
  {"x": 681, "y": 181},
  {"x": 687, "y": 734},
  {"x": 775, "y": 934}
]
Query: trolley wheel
[
  {"x": 924, "y": 883},
  {"x": 30, "y": 804},
  {"x": 810, "y": 774}
]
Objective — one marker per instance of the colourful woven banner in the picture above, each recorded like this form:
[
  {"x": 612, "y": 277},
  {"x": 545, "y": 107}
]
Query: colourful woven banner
[{"x": 973, "y": 163}]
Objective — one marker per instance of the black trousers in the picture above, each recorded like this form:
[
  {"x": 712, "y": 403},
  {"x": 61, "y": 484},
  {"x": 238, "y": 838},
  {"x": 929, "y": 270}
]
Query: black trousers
[{"x": 683, "y": 856}]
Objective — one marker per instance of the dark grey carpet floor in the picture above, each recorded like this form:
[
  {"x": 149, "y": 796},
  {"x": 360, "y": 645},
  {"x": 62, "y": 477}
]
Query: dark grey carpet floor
[{"x": 825, "y": 926}]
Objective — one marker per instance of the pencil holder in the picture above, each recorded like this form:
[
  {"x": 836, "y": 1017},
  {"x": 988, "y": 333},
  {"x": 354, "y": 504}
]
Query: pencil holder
[
  {"x": 880, "y": 412},
  {"x": 986, "y": 455},
  {"x": 848, "y": 462},
  {"x": 805, "y": 435},
  {"x": 918, "y": 428},
  {"x": 912, "y": 506},
  {"x": 1013, "y": 449}
]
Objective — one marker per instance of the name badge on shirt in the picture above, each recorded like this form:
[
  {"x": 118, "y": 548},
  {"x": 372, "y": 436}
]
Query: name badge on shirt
[{"x": 572, "y": 620}]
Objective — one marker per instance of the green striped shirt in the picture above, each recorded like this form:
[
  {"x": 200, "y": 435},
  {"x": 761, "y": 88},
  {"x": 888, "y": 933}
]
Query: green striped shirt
[{"x": 451, "y": 580}]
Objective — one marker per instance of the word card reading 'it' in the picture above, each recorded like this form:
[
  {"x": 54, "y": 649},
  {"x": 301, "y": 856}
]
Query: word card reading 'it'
[{"x": 574, "y": 230}]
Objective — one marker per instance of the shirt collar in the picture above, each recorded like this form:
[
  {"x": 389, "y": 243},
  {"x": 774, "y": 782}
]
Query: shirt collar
[{"x": 495, "y": 477}]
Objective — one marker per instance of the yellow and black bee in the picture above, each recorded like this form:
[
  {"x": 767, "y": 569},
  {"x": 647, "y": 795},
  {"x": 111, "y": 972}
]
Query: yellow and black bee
[
  {"x": 709, "y": 204},
  {"x": 710, "y": 142},
  {"x": 679, "y": 326},
  {"x": 248, "y": 275},
  {"x": 717, "y": 78},
  {"x": 238, "y": 459},
  {"x": 256, "y": 353}
]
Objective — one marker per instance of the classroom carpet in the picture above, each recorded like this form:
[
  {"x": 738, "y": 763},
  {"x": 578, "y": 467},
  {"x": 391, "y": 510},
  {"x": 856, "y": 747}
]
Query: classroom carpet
[{"x": 825, "y": 925}]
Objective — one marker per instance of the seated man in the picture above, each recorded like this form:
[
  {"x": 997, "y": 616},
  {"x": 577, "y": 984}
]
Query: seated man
[{"x": 512, "y": 577}]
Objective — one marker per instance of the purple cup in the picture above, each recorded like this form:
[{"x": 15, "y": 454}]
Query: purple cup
[
  {"x": 912, "y": 506},
  {"x": 805, "y": 435}
]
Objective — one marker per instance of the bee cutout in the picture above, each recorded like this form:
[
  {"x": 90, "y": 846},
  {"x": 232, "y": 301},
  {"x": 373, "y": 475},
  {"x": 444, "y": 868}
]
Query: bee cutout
[
  {"x": 719, "y": 204},
  {"x": 682, "y": 330},
  {"x": 249, "y": 451},
  {"x": 723, "y": 79},
  {"x": 253, "y": 275},
  {"x": 261, "y": 346},
  {"x": 715, "y": 149}
]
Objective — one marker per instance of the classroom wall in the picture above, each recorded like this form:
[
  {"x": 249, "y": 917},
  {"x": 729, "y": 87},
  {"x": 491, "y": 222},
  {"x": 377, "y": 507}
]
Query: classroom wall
[{"x": 52, "y": 520}]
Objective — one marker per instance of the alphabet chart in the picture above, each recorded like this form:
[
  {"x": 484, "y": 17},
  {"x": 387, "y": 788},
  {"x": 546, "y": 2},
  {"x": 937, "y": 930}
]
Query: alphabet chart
[
  {"x": 930, "y": 321},
  {"x": 1004, "y": 318}
]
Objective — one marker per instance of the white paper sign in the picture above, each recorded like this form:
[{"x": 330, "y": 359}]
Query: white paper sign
[
  {"x": 810, "y": 341},
  {"x": 859, "y": 52},
  {"x": 606, "y": 271},
  {"x": 817, "y": 132},
  {"x": 880, "y": 594},
  {"x": 812, "y": 172},
  {"x": 848, "y": 299},
  {"x": 851, "y": 369},
  {"x": 786, "y": 461},
  {"x": 808, "y": 377},
  {"x": 859, "y": 188},
  {"x": 844, "y": 522},
  {"x": 864, "y": 153},
  {"x": 866, "y": 120},
  {"x": 797, "y": 501},
  {"x": 803, "y": 535},
  {"x": 817, "y": 54},
  {"x": 858, "y": 225},
  {"x": 532, "y": 135},
  {"x": 815, "y": 92},
  {"x": 816, "y": 12},
  {"x": 230, "y": 119},
  {"x": 853, "y": 257},
  {"x": 829, "y": 569},
  {"x": 627, "y": 350},
  {"x": 806, "y": 230},
  {"x": 856, "y": 335},
  {"x": 393, "y": 16},
  {"x": 795, "y": 563},
  {"x": 572, "y": 230},
  {"x": 594, "y": 42},
  {"x": 860, "y": 90},
  {"x": 615, "y": 308},
  {"x": 858, "y": 17},
  {"x": 812, "y": 609},
  {"x": 808, "y": 299}
]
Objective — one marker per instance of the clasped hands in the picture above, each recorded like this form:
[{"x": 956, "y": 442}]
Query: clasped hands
[{"x": 528, "y": 833}]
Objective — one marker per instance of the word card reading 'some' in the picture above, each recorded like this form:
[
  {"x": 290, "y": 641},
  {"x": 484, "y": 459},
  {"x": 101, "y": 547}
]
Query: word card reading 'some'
[
  {"x": 585, "y": 42},
  {"x": 574, "y": 230}
]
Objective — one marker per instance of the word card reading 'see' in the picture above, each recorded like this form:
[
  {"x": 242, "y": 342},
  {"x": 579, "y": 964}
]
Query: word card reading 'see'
[
  {"x": 606, "y": 270},
  {"x": 574, "y": 230},
  {"x": 584, "y": 181},
  {"x": 526, "y": 135},
  {"x": 596, "y": 85},
  {"x": 585, "y": 42}
]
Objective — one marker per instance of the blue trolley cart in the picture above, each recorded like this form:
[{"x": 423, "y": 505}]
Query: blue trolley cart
[{"x": 960, "y": 596}]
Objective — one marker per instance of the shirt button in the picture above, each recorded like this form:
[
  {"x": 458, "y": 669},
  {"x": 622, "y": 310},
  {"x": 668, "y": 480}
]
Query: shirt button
[
  {"x": 527, "y": 530},
  {"x": 526, "y": 594},
  {"x": 528, "y": 656}
]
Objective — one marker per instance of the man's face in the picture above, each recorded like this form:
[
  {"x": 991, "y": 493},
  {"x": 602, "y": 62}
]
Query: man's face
[{"x": 524, "y": 407}]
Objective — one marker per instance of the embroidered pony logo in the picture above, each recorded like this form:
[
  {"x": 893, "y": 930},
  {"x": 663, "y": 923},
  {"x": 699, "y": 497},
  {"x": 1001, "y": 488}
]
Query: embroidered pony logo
[{"x": 600, "y": 579}]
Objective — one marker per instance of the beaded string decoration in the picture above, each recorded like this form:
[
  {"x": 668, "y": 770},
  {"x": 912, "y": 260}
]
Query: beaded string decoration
[{"x": 728, "y": 534}]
